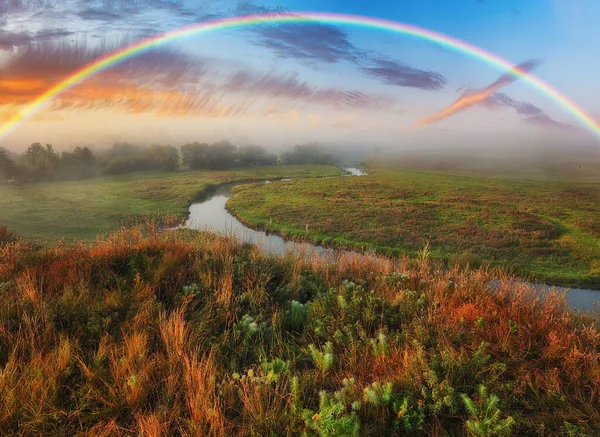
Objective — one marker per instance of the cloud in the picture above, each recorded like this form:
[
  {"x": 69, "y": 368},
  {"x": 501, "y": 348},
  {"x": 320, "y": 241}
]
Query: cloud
[
  {"x": 97, "y": 15},
  {"x": 325, "y": 43},
  {"x": 294, "y": 117},
  {"x": 303, "y": 41},
  {"x": 398, "y": 74},
  {"x": 474, "y": 97},
  {"x": 315, "y": 44},
  {"x": 10, "y": 40},
  {"x": 42, "y": 66},
  {"x": 345, "y": 121},
  {"x": 290, "y": 87},
  {"x": 166, "y": 82},
  {"x": 546, "y": 121},
  {"x": 158, "y": 80},
  {"x": 322, "y": 43},
  {"x": 531, "y": 114},
  {"x": 249, "y": 8},
  {"x": 313, "y": 119},
  {"x": 502, "y": 100},
  {"x": 124, "y": 16},
  {"x": 308, "y": 41}
]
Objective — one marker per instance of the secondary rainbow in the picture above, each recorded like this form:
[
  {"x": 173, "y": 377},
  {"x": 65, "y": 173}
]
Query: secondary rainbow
[{"x": 299, "y": 17}]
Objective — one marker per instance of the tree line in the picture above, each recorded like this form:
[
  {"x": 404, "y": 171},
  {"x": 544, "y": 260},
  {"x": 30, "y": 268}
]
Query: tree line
[{"x": 42, "y": 162}]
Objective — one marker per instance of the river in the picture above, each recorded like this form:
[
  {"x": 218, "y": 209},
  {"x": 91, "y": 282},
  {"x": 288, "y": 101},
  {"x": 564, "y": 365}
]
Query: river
[{"x": 212, "y": 215}]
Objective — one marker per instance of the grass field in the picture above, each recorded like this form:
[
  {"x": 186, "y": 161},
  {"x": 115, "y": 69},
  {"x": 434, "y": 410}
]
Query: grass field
[
  {"x": 144, "y": 333},
  {"x": 49, "y": 211},
  {"x": 546, "y": 228}
]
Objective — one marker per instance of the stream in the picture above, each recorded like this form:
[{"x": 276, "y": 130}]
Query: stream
[{"x": 212, "y": 215}]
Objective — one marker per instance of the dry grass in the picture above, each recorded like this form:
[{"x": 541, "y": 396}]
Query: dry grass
[{"x": 148, "y": 333}]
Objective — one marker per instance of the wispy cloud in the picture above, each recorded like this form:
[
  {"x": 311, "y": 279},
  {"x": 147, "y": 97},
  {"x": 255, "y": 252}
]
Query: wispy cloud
[
  {"x": 399, "y": 74},
  {"x": 128, "y": 17},
  {"x": 290, "y": 87},
  {"x": 10, "y": 40},
  {"x": 474, "y": 97},
  {"x": 34, "y": 69},
  {"x": 309, "y": 41},
  {"x": 531, "y": 113},
  {"x": 317, "y": 43},
  {"x": 168, "y": 82}
]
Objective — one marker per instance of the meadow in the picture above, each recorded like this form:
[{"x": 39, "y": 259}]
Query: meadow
[
  {"x": 541, "y": 228},
  {"x": 50, "y": 211},
  {"x": 186, "y": 333}
]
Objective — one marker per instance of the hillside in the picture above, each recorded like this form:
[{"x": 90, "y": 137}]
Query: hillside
[{"x": 147, "y": 333}]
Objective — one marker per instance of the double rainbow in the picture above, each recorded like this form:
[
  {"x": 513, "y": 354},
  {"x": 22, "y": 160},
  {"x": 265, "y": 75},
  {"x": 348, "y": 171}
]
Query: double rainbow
[{"x": 300, "y": 17}]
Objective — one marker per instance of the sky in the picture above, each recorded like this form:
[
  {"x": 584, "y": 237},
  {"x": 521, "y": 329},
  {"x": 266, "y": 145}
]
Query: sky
[{"x": 283, "y": 84}]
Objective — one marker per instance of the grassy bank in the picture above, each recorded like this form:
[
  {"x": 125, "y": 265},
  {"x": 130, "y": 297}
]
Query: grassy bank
[
  {"x": 191, "y": 334},
  {"x": 49, "y": 211},
  {"x": 544, "y": 229}
]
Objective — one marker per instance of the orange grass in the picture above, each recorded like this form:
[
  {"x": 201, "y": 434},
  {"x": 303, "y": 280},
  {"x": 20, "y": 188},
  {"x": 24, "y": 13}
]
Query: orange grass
[{"x": 178, "y": 333}]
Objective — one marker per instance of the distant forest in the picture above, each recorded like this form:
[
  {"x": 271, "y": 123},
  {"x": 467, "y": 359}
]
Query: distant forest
[{"x": 42, "y": 162}]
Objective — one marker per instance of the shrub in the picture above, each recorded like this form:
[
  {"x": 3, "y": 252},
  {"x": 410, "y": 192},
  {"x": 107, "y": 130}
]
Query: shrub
[
  {"x": 468, "y": 259},
  {"x": 485, "y": 415}
]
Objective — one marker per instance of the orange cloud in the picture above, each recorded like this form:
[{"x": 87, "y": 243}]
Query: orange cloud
[
  {"x": 473, "y": 97},
  {"x": 294, "y": 117},
  {"x": 314, "y": 120},
  {"x": 346, "y": 121},
  {"x": 165, "y": 83}
]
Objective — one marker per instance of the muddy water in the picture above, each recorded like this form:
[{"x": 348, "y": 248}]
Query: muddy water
[{"x": 212, "y": 215}]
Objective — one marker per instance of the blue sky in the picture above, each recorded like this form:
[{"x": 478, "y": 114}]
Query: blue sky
[{"x": 293, "y": 83}]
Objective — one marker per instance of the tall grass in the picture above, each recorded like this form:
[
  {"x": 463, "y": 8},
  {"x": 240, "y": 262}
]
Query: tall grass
[{"x": 181, "y": 333}]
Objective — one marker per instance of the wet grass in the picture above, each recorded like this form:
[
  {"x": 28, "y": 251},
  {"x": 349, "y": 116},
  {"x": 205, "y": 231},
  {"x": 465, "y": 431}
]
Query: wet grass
[
  {"x": 544, "y": 229},
  {"x": 50, "y": 211},
  {"x": 186, "y": 333}
]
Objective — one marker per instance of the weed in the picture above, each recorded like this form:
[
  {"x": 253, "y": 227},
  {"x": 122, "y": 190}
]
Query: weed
[
  {"x": 322, "y": 359},
  {"x": 485, "y": 415}
]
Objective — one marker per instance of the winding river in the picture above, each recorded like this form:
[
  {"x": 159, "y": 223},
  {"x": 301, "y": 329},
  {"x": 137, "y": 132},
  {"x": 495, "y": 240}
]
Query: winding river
[{"x": 212, "y": 215}]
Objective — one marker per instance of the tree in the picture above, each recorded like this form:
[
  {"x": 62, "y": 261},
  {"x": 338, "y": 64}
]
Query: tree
[
  {"x": 123, "y": 150},
  {"x": 41, "y": 160},
  {"x": 255, "y": 155},
  {"x": 8, "y": 168},
  {"x": 125, "y": 158},
  {"x": 222, "y": 154},
  {"x": 163, "y": 157},
  {"x": 195, "y": 155},
  {"x": 307, "y": 154},
  {"x": 84, "y": 156},
  {"x": 77, "y": 164}
]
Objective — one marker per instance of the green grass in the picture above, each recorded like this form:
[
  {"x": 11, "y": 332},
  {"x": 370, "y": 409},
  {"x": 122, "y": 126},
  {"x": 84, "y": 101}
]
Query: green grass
[
  {"x": 49, "y": 211},
  {"x": 547, "y": 229}
]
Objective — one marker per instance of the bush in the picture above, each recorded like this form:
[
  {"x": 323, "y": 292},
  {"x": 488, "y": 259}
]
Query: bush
[{"x": 468, "y": 260}]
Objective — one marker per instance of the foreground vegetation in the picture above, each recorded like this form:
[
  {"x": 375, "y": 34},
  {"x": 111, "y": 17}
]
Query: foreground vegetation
[
  {"x": 547, "y": 229},
  {"x": 51, "y": 211},
  {"x": 188, "y": 333}
]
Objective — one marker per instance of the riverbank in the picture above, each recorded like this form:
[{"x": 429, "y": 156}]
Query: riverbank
[
  {"x": 52, "y": 211},
  {"x": 212, "y": 215},
  {"x": 539, "y": 230},
  {"x": 338, "y": 244}
]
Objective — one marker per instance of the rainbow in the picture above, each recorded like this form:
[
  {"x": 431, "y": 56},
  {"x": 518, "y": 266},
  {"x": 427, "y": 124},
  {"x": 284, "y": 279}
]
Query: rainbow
[{"x": 449, "y": 42}]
